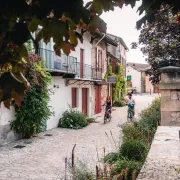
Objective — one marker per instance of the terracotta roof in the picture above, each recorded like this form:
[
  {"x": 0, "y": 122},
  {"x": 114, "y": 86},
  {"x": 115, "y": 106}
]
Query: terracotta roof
[{"x": 138, "y": 66}]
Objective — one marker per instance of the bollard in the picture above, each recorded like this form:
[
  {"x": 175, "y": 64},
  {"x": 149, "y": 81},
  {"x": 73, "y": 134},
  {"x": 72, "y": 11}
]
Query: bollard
[{"x": 150, "y": 92}]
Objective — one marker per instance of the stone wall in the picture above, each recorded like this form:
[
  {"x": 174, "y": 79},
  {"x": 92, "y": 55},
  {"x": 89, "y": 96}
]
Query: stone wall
[
  {"x": 170, "y": 96},
  {"x": 163, "y": 160}
]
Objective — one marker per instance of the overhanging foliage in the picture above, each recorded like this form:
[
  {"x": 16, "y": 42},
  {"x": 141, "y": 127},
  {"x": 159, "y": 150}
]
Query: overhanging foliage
[
  {"x": 160, "y": 41},
  {"x": 65, "y": 21}
]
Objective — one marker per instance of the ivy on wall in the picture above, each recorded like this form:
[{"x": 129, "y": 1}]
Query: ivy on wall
[
  {"x": 120, "y": 85},
  {"x": 34, "y": 111}
]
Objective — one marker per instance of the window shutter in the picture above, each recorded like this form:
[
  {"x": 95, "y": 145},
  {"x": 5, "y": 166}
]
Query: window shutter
[
  {"x": 73, "y": 97},
  {"x": 114, "y": 67}
]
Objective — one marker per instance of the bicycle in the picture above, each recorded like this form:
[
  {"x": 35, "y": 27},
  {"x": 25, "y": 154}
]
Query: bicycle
[
  {"x": 130, "y": 114},
  {"x": 107, "y": 115}
]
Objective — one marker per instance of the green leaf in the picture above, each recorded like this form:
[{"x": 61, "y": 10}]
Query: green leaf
[
  {"x": 73, "y": 38},
  {"x": 66, "y": 47},
  {"x": 97, "y": 6},
  {"x": 97, "y": 23},
  {"x": 33, "y": 25},
  {"x": 45, "y": 34},
  {"x": 72, "y": 25}
]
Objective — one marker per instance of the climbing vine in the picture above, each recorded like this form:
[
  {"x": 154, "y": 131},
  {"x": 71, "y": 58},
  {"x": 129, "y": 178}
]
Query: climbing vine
[
  {"x": 34, "y": 111},
  {"x": 120, "y": 85}
]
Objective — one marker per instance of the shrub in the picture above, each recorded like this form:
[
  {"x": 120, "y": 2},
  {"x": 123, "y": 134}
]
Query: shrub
[
  {"x": 34, "y": 111},
  {"x": 81, "y": 171},
  {"x": 73, "y": 119},
  {"x": 133, "y": 131},
  {"x": 150, "y": 117},
  {"x": 134, "y": 150},
  {"x": 136, "y": 140},
  {"x": 111, "y": 157},
  {"x": 119, "y": 103},
  {"x": 145, "y": 128},
  {"x": 126, "y": 168}
]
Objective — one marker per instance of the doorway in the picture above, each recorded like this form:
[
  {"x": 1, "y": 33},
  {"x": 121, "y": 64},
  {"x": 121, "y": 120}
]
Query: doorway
[
  {"x": 97, "y": 99},
  {"x": 85, "y": 101}
]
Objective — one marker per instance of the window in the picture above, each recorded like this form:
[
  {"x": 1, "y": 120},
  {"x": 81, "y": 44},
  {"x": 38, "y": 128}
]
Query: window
[{"x": 74, "y": 97}]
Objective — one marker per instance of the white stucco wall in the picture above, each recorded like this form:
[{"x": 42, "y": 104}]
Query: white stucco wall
[
  {"x": 6, "y": 115},
  {"x": 136, "y": 78},
  {"x": 61, "y": 98},
  {"x": 86, "y": 46}
]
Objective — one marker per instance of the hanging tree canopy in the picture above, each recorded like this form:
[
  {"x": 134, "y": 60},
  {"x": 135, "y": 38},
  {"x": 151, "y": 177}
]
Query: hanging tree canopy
[{"x": 60, "y": 20}]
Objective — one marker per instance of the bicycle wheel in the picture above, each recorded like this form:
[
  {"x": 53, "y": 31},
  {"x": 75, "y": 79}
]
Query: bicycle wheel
[
  {"x": 110, "y": 117},
  {"x": 129, "y": 117},
  {"x": 105, "y": 119}
]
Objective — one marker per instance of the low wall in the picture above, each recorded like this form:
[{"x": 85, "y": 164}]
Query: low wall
[
  {"x": 163, "y": 160},
  {"x": 6, "y": 115}
]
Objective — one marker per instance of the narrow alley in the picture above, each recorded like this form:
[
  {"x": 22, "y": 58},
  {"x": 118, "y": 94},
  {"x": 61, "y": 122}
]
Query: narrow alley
[{"x": 43, "y": 156}]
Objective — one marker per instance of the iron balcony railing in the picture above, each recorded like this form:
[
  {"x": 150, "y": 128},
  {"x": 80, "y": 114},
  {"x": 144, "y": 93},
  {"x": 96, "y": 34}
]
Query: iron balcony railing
[
  {"x": 63, "y": 63},
  {"x": 88, "y": 72},
  {"x": 69, "y": 64}
]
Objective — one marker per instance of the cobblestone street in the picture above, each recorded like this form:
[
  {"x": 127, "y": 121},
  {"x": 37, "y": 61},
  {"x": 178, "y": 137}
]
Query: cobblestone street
[{"x": 42, "y": 158}]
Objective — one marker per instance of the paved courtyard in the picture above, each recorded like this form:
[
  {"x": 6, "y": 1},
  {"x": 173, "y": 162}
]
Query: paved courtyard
[{"x": 42, "y": 158}]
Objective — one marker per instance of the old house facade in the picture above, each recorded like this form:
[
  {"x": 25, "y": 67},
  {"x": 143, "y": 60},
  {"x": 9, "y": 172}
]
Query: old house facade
[
  {"x": 77, "y": 81},
  {"x": 117, "y": 54},
  {"x": 78, "y": 78},
  {"x": 137, "y": 78}
]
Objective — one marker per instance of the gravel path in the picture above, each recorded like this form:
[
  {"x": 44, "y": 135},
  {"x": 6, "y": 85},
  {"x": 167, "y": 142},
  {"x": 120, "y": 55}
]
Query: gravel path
[{"x": 42, "y": 158}]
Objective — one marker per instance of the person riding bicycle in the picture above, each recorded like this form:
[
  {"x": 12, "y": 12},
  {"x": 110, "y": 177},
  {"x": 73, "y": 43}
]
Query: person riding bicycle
[
  {"x": 131, "y": 103},
  {"x": 108, "y": 103}
]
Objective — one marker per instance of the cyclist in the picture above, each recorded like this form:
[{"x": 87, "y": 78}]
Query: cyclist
[
  {"x": 131, "y": 103},
  {"x": 108, "y": 103}
]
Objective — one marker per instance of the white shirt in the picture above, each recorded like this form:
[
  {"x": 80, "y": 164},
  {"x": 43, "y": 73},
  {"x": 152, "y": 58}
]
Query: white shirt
[{"x": 131, "y": 101}]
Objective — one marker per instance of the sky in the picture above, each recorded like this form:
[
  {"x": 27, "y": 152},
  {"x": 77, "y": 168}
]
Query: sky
[{"x": 122, "y": 23}]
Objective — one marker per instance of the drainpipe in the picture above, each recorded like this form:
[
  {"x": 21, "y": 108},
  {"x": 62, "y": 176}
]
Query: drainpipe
[
  {"x": 99, "y": 40},
  {"x": 98, "y": 43},
  {"x": 108, "y": 87}
]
